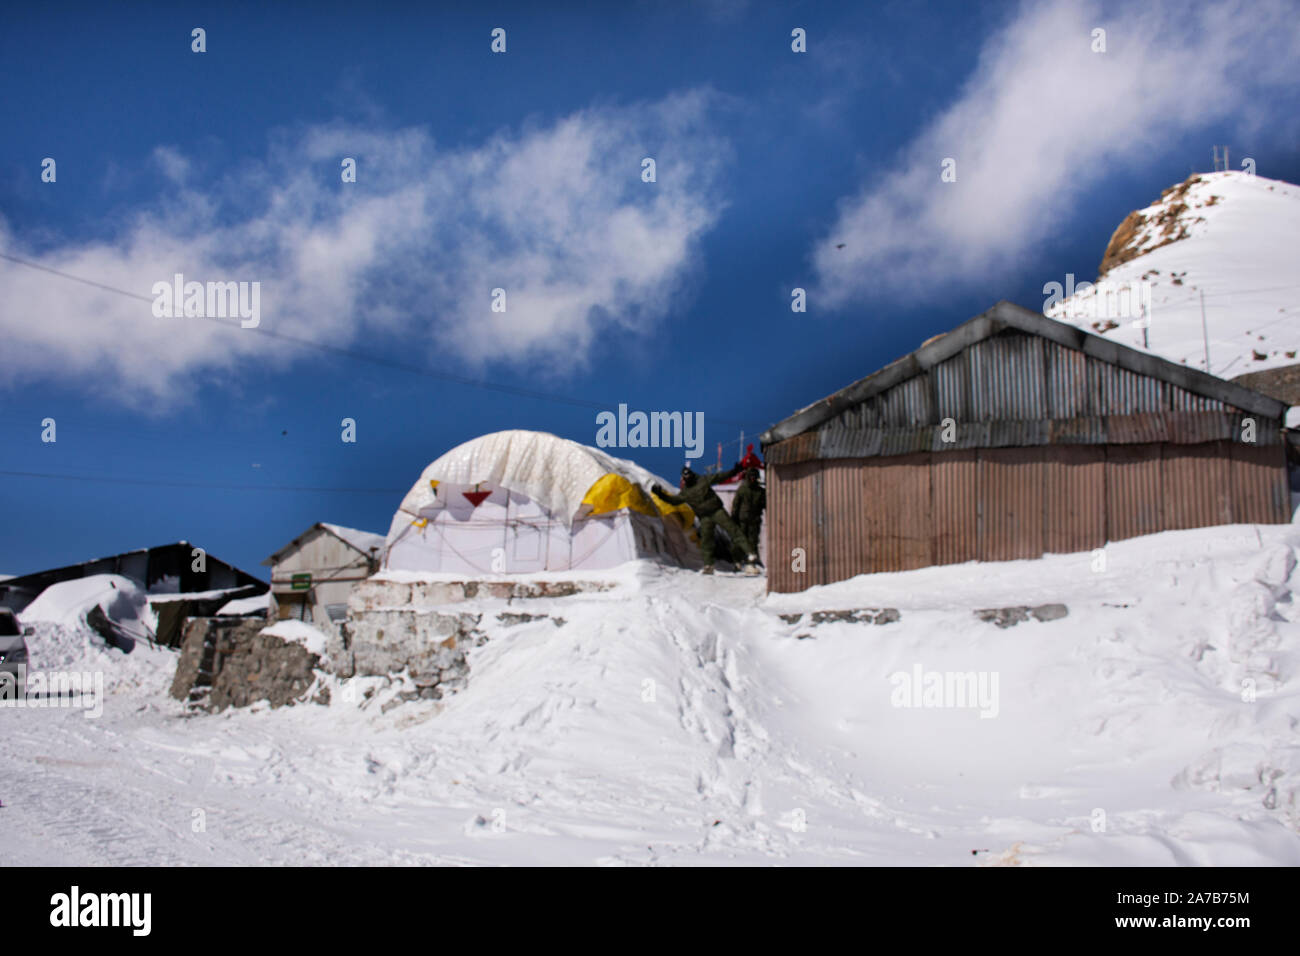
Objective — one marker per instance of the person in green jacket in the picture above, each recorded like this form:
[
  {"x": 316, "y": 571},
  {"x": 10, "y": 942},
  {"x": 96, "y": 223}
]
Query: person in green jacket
[
  {"x": 748, "y": 505},
  {"x": 697, "y": 492}
]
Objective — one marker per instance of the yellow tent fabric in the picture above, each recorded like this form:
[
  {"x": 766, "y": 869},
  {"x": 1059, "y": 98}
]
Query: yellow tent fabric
[{"x": 613, "y": 492}]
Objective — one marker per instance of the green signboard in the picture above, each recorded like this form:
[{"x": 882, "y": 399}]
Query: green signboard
[{"x": 301, "y": 582}]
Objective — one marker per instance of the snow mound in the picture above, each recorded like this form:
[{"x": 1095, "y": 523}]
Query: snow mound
[
  {"x": 675, "y": 718},
  {"x": 68, "y": 603},
  {"x": 299, "y": 632},
  {"x": 249, "y": 605}
]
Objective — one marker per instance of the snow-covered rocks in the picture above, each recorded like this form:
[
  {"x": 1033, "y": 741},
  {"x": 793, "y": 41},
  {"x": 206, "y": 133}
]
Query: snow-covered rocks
[
  {"x": 236, "y": 662},
  {"x": 1228, "y": 236},
  {"x": 1275, "y": 567},
  {"x": 1005, "y": 617}
]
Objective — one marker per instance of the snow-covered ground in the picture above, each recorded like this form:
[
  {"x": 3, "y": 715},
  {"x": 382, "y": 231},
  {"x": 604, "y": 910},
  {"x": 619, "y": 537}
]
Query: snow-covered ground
[
  {"x": 678, "y": 719},
  {"x": 1239, "y": 250}
]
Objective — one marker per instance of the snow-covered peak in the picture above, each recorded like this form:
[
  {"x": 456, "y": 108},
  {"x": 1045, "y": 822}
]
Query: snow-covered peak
[{"x": 1230, "y": 236}]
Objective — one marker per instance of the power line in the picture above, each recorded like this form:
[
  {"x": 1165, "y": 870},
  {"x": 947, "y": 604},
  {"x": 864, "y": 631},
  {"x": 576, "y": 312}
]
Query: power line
[
  {"x": 351, "y": 353},
  {"x": 163, "y": 482}
]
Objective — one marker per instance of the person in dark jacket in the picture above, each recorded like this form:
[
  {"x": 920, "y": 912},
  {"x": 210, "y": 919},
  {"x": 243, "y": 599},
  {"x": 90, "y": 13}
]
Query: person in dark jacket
[
  {"x": 748, "y": 505},
  {"x": 697, "y": 492}
]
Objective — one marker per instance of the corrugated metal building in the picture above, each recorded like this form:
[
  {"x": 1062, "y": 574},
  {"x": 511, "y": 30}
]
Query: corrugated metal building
[
  {"x": 168, "y": 569},
  {"x": 1011, "y": 436}
]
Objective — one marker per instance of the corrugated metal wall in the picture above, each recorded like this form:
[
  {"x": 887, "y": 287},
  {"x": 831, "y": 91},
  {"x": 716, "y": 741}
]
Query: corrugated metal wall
[
  {"x": 954, "y": 480},
  {"x": 1054, "y": 450},
  {"x": 1259, "y": 484},
  {"x": 1133, "y": 479},
  {"x": 898, "y": 517},
  {"x": 1010, "y": 503},
  {"x": 1195, "y": 484},
  {"x": 863, "y": 515}
]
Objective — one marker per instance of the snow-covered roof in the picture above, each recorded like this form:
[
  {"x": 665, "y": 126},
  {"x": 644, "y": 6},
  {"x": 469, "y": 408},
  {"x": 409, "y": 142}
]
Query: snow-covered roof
[
  {"x": 67, "y": 603},
  {"x": 248, "y": 605},
  {"x": 354, "y": 538},
  {"x": 555, "y": 472},
  {"x": 172, "y": 596},
  {"x": 362, "y": 541}
]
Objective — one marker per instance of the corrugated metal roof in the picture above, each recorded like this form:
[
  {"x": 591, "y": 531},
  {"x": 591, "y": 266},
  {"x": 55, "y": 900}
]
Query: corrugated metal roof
[{"x": 1010, "y": 364}]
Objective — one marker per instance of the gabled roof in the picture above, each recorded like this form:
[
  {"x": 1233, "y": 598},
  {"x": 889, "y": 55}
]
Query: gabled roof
[
  {"x": 1003, "y": 316},
  {"x": 19, "y": 579},
  {"x": 357, "y": 540}
]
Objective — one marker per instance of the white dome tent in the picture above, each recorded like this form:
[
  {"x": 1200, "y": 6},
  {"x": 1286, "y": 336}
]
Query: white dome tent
[{"x": 522, "y": 501}]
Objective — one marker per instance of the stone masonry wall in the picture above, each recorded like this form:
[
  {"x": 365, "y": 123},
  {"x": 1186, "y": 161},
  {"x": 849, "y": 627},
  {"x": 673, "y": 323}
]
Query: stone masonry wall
[{"x": 229, "y": 662}]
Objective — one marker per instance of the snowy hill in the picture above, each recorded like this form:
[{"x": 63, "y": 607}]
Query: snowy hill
[
  {"x": 677, "y": 719},
  {"x": 1229, "y": 235}
]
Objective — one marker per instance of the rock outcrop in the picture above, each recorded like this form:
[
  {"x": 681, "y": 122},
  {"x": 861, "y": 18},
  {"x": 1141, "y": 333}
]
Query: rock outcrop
[{"x": 229, "y": 662}]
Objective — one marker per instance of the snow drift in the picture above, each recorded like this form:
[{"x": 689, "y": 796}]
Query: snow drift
[{"x": 673, "y": 718}]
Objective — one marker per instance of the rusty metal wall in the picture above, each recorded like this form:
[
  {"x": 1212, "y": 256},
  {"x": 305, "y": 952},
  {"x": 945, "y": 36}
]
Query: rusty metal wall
[
  {"x": 954, "y": 482},
  {"x": 1260, "y": 494},
  {"x": 1011, "y": 503},
  {"x": 1196, "y": 491},
  {"x": 1133, "y": 491},
  {"x": 864, "y": 515},
  {"x": 844, "y": 549},
  {"x": 793, "y": 509},
  {"x": 1074, "y": 499},
  {"x": 897, "y": 517}
]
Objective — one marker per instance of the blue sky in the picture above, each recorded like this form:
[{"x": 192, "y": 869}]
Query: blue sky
[{"x": 522, "y": 171}]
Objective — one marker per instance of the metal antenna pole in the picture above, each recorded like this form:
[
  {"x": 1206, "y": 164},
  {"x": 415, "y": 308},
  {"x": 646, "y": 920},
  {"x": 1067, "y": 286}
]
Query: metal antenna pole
[{"x": 1205, "y": 333}]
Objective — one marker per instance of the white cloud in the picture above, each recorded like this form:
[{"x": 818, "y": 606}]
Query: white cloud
[
  {"x": 1039, "y": 123},
  {"x": 172, "y": 162},
  {"x": 557, "y": 215}
]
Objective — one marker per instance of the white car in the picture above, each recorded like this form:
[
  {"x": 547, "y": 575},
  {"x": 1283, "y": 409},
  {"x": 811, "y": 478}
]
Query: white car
[{"x": 13, "y": 651}]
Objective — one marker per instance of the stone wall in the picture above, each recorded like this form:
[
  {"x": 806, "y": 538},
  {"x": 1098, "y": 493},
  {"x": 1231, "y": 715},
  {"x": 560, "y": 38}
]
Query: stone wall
[
  {"x": 398, "y": 626},
  {"x": 229, "y": 662},
  {"x": 428, "y": 645}
]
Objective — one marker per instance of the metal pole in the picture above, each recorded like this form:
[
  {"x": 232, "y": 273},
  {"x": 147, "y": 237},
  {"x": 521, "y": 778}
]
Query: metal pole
[{"x": 1205, "y": 332}]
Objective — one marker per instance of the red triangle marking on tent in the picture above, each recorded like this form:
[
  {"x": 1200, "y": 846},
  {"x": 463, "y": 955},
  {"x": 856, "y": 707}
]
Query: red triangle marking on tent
[{"x": 476, "y": 498}]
